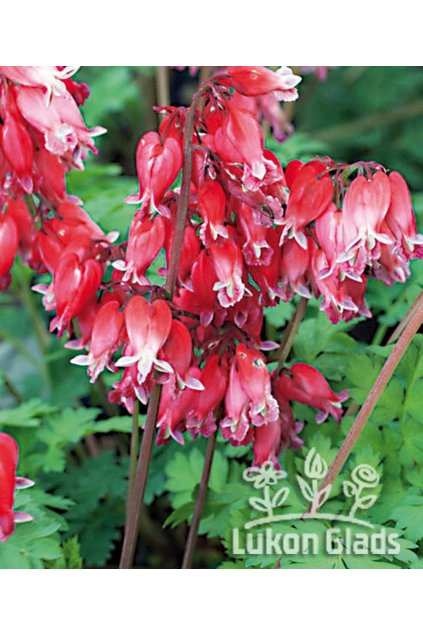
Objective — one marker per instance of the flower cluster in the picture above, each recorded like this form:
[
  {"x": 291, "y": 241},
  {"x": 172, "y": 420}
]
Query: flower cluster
[{"x": 252, "y": 234}]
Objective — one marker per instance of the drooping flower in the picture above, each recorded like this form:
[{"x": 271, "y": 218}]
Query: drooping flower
[
  {"x": 51, "y": 78},
  {"x": 177, "y": 351},
  {"x": 202, "y": 417},
  {"x": 227, "y": 261},
  {"x": 148, "y": 327},
  {"x": 17, "y": 148},
  {"x": 310, "y": 196},
  {"x": 401, "y": 220},
  {"x": 105, "y": 339},
  {"x": 236, "y": 425},
  {"x": 240, "y": 140},
  {"x": 365, "y": 206},
  {"x": 199, "y": 297},
  {"x": 266, "y": 443},
  {"x": 255, "y": 380},
  {"x": 259, "y": 80},
  {"x": 75, "y": 284},
  {"x": 9, "y": 456},
  {"x": 145, "y": 240},
  {"x": 305, "y": 384},
  {"x": 8, "y": 247},
  {"x": 212, "y": 206},
  {"x": 158, "y": 164}
]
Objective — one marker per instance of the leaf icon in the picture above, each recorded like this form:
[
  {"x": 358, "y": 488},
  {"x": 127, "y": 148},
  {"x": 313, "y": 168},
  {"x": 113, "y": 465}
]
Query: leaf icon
[
  {"x": 349, "y": 489},
  {"x": 260, "y": 504},
  {"x": 314, "y": 466},
  {"x": 280, "y": 497},
  {"x": 322, "y": 496},
  {"x": 366, "y": 502},
  {"x": 306, "y": 489}
]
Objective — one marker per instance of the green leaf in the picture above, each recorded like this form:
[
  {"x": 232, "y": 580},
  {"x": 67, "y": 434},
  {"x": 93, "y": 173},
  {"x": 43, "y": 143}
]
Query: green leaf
[{"x": 409, "y": 516}]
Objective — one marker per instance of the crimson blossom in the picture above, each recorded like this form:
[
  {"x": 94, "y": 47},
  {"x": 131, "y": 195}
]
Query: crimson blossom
[
  {"x": 9, "y": 456},
  {"x": 253, "y": 233}
]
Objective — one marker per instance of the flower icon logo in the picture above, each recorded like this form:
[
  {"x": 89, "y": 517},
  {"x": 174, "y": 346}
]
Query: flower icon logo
[{"x": 266, "y": 475}]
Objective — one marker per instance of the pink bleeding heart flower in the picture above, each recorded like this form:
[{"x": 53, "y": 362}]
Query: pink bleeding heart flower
[
  {"x": 199, "y": 297},
  {"x": 9, "y": 456},
  {"x": 259, "y": 80},
  {"x": 202, "y": 418},
  {"x": 365, "y": 206},
  {"x": 106, "y": 338},
  {"x": 266, "y": 443},
  {"x": 18, "y": 210},
  {"x": 305, "y": 384},
  {"x": 228, "y": 265},
  {"x": 268, "y": 276},
  {"x": 60, "y": 122},
  {"x": 145, "y": 241},
  {"x": 158, "y": 164},
  {"x": 75, "y": 284},
  {"x": 236, "y": 424},
  {"x": 212, "y": 207},
  {"x": 50, "y": 78},
  {"x": 255, "y": 380},
  {"x": 17, "y": 148},
  {"x": 256, "y": 249},
  {"x": 295, "y": 269},
  {"x": 9, "y": 242},
  {"x": 175, "y": 408},
  {"x": 240, "y": 140},
  {"x": 401, "y": 220},
  {"x": 148, "y": 327},
  {"x": 177, "y": 351},
  {"x": 310, "y": 196}
]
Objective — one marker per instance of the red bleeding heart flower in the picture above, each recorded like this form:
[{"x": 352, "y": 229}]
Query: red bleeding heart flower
[
  {"x": 258, "y": 80},
  {"x": 255, "y": 380},
  {"x": 310, "y": 196},
  {"x": 9, "y": 242},
  {"x": 145, "y": 240},
  {"x": 305, "y": 384},
  {"x": 9, "y": 456},
  {"x": 158, "y": 164},
  {"x": 212, "y": 206},
  {"x": 148, "y": 327},
  {"x": 75, "y": 284},
  {"x": 17, "y": 148},
  {"x": 227, "y": 261},
  {"x": 105, "y": 339}
]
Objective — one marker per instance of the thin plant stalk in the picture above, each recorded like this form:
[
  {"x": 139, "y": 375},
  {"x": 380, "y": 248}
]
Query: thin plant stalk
[
  {"x": 402, "y": 324},
  {"x": 290, "y": 332},
  {"x": 137, "y": 496},
  {"x": 412, "y": 326},
  {"x": 183, "y": 202},
  {"x": 199, "y": 503},
  {"x": 133, "y": 452}
]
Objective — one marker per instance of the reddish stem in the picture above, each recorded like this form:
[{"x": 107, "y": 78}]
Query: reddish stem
[
  {"x": 413, "y": 324},
  {"x": 138, "y": 491},
  {"x": 193, "y": 530},
  {"x": 183, "y": 202},
  {"x": 290, "y": 332}
]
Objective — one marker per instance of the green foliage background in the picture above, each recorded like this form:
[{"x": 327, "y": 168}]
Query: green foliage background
[{"x": 74, "y": 445}]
